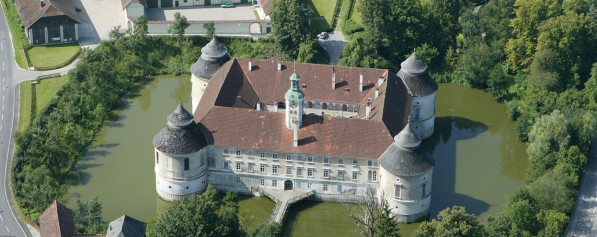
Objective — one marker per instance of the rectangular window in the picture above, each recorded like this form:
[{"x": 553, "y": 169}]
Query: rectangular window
[
  {"x": 239, "y": 166},
  {"x": 226, "y": 165},
  {"x": 274, "y": 156},
  {"x": 326, "y": 174},
  {"x": 157, "y": 158},
  {"x": 262, "y": 155},
  {"x": 310, "y": 159},
  {"x": 355, "y": 162},
  {"x": 310, "y": 172},
  {"x": 417, "y": 112},
  {"x": 326, "y": 160},
  {"x": 186, "y": 164},
  {"x": 262, "y": 168},
  {"x": 288, "y": 157},
  {"x": 299, "y": 172},
  {"x": 397, "y": 190},
  {"x": 275, "y": 183},
  {"x": 374, "y": 176},
  {"x": 275, "y": 169},
  {"x": 288, "y": 171},
  {"x": 251, "y": 168},
  {"x": 238, "y": 153},
  {"x": 211, "y": 161},
  {"x": 370, "y": 163},
  {"x": 325, "y": 187},
  {"x": 355, "y": 176},
  {"x": 262, "y": 182},
  {"x": 340, "y": 174},
  {"x": 225, "y": 152},
  {"x": 340, "y": 161},
  {"x": 424, "y": 190},
  {"x": 308, "y": 185},
  {"x": 299, "y": 158},
  {"x": 339, "y": 188}
]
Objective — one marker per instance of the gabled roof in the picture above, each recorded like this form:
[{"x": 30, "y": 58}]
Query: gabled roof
[
  {"x": 228, "y": 118},
  {"x": 57, "y": 221},
  {"x": 31, "y": 10},
  {"x": 126, "y": 226},
  {"x": 126, "y": 3},
  {"x": 267, "y": 6}
]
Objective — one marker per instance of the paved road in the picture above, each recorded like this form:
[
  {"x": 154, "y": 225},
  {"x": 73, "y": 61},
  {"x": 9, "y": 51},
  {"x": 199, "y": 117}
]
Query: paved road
[
  {"x": 10, "y": 225},
  {"x": 584, "y": 217},
  {"x": 334, "y": 46}
]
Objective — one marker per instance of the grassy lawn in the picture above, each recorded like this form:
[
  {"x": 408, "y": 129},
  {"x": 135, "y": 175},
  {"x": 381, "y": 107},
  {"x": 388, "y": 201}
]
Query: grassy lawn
[
  {"x": 16, "y": 28},
  {"x": 256, "y": 15},
  {"x": 45, "y": 90},
  {"x": 323, "y": 12},
  {"x": 53, "y": 55},
  {"x": 356, "y": 14}
]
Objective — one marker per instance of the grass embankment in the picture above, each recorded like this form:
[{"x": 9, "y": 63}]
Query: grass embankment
[
  {"x": 323, "y": 14},
  {"x": 355, "y": 15},
  {"x": 34, "y": 98},
  {"x": 48, "y": 57},
  {"x": 19, "y": 40}
]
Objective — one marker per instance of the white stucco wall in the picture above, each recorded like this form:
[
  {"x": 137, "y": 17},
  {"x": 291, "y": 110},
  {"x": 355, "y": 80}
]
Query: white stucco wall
[
  {"x": 423, "y": 123},
  {"x": 222, "y": 28},
  {"x": 197, "y": 90},
  {"x": 410, "y": 206},
  {"x": 173, "y": 181}
]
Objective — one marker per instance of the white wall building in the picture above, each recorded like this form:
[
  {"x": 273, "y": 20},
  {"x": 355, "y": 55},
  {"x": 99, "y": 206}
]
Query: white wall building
[{"x": 266, "y": 127}]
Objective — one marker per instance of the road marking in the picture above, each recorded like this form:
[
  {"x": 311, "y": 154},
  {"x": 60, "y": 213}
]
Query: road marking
[
  {"x": 7, "y": 228},
  {"x": 1, "y": 215},
  {"x": 2, "y": 44},
  {"x": 3, "y": 66}
]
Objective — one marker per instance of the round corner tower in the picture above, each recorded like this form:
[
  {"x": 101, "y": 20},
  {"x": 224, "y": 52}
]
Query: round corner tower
[
  {"x": 406, "y": 172},
  {"x": 213, "y": 56},
  {"x": 180, "y": 157},
  {"x": 423, "y": 90}
]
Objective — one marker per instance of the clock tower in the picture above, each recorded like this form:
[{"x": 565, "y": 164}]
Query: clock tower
[{"x": 294, "y": 103}]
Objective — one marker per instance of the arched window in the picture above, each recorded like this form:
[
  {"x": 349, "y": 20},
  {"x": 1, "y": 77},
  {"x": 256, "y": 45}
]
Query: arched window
[
  {"x": 424, "y": 190},
  {"x": 309, "y": 104},
  {"x": 186, "y": 163},
  {"x": 324, "y": 106},
  {"x": 370, "y": 175},
  {"x": 344, "y": 108}
]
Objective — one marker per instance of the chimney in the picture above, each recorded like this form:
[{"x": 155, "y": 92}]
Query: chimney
[
  {"x": 295, "y": 140},
  {"x": 279, "y": 66},
  {"x": 258, "y": 106},
  {"x": 380, "y": 81},
  {"x": 361, "y": 82},
  {"x": 42, "y": 3},
  {"x": 376, "y": 93},
  {"x": 276, "y": 107},
  {"x": 368, "y": 109},
  {"x": 333, "y": 78},
  {"x": 250, "y": 66}
]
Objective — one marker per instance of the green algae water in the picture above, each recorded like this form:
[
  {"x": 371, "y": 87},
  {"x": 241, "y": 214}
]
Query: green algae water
[{"x": 479, "y": 161}]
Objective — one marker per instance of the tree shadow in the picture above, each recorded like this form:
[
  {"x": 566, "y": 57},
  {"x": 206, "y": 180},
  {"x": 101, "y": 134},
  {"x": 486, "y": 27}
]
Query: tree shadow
[{"x": 442, "y": 144}]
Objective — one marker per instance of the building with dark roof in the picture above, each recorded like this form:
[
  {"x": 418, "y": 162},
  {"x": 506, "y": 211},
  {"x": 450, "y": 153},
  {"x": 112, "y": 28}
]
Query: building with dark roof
[
  {"x": 57, "y": 221},
  {"x": 49, "y": 21},
  {"x": 126, "y": 226},
  {"x": 297, "y": 126}
]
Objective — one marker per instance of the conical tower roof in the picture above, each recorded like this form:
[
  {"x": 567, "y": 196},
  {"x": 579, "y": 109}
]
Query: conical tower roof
[
  {"x": 407, "y": 138},
  {"x": 414, "y": 64},
  {"x": 213, "y": 56},
  {"x": 214, "y": 49},
  {"x": 181, "y": 135},
  {"x": 404, "y": 156}
]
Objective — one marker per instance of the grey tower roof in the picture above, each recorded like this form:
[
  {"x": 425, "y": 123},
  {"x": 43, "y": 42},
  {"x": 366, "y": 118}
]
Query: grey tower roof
[
  {"x": 213, "y": 56},
  {"x": 415, "y": 76},
  {"x": 404, "y": 156},
  {"x": 126, "y": 226},
  {"x": 414, "y": 64},
  {"x": 181, "y": 135}
]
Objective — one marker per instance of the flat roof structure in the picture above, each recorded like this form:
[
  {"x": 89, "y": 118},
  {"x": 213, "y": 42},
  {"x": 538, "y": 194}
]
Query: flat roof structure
[{"x": 203, "y": 13}]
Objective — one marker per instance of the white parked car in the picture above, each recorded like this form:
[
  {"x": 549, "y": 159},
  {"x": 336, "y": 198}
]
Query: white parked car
[{"x": 323, "y": 35}]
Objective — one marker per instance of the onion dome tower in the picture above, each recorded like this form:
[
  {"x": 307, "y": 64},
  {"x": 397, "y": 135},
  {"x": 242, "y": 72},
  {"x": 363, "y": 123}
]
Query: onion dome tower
[
  {"x": 423, "y": 90},
  {"x": 180, "y": 157},
  {"x": 406, "y": 172},
  {"x": 213, "y": 56},
  {"x": 294, "y": 103}
]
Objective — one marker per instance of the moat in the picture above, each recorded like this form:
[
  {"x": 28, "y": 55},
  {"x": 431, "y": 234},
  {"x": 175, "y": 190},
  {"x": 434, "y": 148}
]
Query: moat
[{"x": 479, "y": 161}]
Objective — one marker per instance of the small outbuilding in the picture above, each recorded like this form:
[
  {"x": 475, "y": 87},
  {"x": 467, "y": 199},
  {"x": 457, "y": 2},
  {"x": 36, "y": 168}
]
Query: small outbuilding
[
  {"x": 57, "y": 221},
  {"x": 49, "y": 21}
]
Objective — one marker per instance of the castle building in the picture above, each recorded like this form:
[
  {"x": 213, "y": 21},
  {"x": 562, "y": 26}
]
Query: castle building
[{"x": 339, "y": 131}]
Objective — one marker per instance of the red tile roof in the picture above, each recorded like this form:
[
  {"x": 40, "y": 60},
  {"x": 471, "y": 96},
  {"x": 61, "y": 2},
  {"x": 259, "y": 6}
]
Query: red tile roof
[
  {"x": 226, "y": 110},
  {"x": 31, "y": 10},
  {"x": 57, "y": 221}
]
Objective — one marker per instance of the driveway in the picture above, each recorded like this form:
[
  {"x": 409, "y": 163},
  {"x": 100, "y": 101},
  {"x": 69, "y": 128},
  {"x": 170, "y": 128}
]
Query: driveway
[
  {"x": 334, "y": 45},
  {"x": 98, "y": 17},
  {"x": 584, "y": 216}
]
